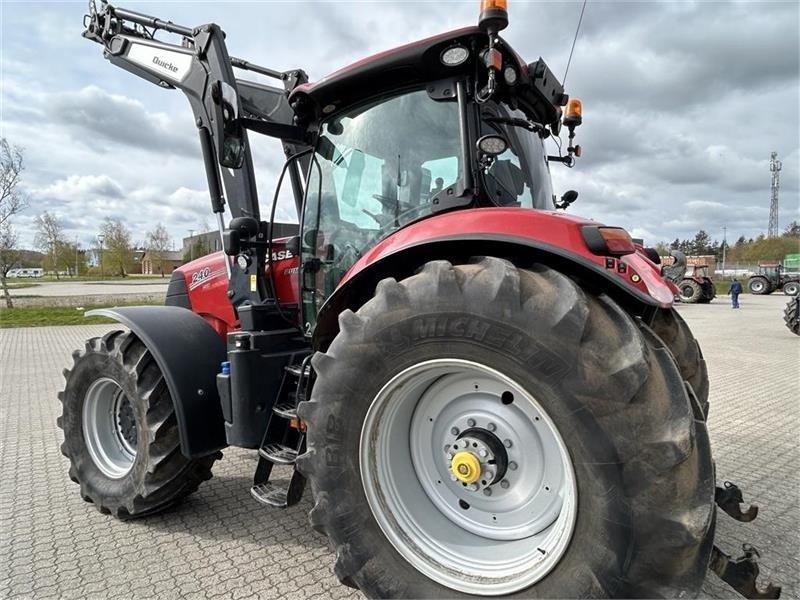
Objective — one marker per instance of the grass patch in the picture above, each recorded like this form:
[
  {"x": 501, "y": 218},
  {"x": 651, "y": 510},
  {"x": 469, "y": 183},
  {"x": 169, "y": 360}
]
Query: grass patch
[{"x": 43, "y": 316}]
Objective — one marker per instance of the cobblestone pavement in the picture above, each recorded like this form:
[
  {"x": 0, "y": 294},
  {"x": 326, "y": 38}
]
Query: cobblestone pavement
[{"x": 220, "y": 543}]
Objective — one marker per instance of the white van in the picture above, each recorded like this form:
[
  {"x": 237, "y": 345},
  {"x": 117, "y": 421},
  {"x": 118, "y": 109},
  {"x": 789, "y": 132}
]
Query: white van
[{"x": 25, "y": 273}]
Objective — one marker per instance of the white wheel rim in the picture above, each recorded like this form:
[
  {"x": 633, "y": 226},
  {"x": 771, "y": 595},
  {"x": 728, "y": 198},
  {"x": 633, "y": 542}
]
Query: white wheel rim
[
  {"x": 506, "y": 539},
  {"x": 109, "y": 428}
]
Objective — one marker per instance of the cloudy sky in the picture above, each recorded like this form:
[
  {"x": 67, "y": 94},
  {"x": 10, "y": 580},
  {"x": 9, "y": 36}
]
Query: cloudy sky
[{"x": 683, "y": 103}]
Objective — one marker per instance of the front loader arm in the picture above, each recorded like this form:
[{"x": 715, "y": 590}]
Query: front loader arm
[{"x": 223, "y": 108}]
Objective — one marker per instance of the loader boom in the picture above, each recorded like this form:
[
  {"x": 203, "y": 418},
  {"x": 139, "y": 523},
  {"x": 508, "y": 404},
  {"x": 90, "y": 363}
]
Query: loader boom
[{"x": 223, "y": 107}]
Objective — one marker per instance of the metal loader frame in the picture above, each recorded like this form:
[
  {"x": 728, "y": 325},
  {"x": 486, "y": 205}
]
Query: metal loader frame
[{"x": 223, "y": 108}]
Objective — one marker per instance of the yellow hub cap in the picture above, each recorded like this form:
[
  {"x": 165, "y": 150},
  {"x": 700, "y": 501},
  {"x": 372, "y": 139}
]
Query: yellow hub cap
[{"x": 466, "y": 467}]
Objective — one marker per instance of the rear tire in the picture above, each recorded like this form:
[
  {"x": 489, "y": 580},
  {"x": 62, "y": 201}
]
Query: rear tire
[
  {"x": 673, "y": 330},
  {"x": 690, "y": 291},
  {"x": 642, "y": 461},
  {"x": 759, "y": 286},
  {"x": 792, "y": 288},
  {"x": 791, "y": 315},
  {"x": 120, "y": 430}
]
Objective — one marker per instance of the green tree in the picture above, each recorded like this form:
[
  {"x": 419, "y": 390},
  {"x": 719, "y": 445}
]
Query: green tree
[
  {"x": 158, "y": 242},
  {"x": 49, "y": 239},
  {"x": 118, "y": 255}
]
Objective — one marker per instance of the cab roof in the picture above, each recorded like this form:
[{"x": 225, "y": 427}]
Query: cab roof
[{"x": 418, "y": 63}]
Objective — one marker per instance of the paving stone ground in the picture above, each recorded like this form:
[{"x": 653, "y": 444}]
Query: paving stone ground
[{"x": 221, "y": 544}]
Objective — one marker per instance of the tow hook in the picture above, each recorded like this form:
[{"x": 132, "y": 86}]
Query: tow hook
[
  {"x": 729, "y": 498},
  {"x": 741, "y": 573}
]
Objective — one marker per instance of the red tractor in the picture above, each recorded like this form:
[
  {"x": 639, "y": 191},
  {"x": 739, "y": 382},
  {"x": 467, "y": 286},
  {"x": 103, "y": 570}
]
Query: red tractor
[{"x": 487, "y": 396}]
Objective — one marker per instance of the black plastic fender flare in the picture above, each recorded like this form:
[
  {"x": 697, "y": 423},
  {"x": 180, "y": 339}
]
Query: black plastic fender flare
[{"x": 189, "y": 352}]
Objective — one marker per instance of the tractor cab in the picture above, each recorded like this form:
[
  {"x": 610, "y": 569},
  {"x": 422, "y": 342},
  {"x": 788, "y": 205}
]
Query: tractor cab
[
  {"x": 393, "y": 151},
  {"x": 771, "y": 271}
]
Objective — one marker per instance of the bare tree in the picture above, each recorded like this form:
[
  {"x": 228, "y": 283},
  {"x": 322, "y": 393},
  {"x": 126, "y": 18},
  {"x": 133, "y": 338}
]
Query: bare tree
[
  {"x": 9, "y": 258},
  {"x": 118, "y": 246},
  {"x": 49, "y": 239},
  {"x": 12, "y": 201},
  {"x": 158, "y": 242}
]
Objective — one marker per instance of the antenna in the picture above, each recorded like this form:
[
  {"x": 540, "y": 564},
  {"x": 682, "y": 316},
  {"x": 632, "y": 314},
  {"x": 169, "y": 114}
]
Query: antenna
[{"x": 775, "y": 167}]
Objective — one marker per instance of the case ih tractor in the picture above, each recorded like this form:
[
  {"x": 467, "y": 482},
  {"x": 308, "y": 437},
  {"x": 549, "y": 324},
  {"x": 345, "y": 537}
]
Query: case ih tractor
[{"x": 488, "y": 397}]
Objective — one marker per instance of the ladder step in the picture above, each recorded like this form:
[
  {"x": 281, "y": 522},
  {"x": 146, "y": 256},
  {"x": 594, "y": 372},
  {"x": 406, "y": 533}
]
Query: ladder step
[
  {"x": 270, "y": 494},
  {"x": 278, "y": 454},
  {"x": 280, "y": 496},
  {"x": 286, "y": 410}
]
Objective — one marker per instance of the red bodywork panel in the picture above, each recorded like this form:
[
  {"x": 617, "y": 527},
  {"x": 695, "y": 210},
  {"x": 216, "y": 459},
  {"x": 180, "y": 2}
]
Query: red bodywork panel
[
  {"x": 207, "y": 284},
  {"x": 555, "y": 229}
]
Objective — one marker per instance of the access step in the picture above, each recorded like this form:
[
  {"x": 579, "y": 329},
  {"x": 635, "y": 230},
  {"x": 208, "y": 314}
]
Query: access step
[
  {"x": 278, "y": 454},
  {"x": 277, "y": 495},
  {"x": 286, "y": 410}
]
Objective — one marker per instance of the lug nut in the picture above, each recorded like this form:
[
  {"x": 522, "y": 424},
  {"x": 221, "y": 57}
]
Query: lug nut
[
  {"x": 491, "y": 427},
  {"x": 454, "y": 430},
  {"x": 482, "y": 453},
  {"x": 487, "y": 492},
  {"x": 471, "y": 422},
  {"x": 512, "y": 465},
  {"x": 507, "y": 443},
  {"x": 489, "y": 475},
  {"x": 504, "y": 484}
]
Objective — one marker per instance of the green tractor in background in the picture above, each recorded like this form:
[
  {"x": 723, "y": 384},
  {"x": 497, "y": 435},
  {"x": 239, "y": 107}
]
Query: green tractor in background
[{"x": 777, "y": 276}]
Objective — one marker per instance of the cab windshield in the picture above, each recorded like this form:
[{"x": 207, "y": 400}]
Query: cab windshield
[{"x": 375, "y": 170}]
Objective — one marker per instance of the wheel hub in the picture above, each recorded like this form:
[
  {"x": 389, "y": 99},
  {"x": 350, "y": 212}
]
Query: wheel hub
[{"x": 466, "y": 467}]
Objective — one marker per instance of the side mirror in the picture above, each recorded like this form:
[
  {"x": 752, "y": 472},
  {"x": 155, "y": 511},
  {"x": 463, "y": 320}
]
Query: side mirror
[
  {"x": 566, "y": 199},
  {"x": 229, "y": 133}
]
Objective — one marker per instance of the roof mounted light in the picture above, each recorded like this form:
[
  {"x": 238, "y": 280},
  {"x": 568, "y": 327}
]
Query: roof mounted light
[
  {"x": 573, "y": 116},
  {"x": 454, "y": 56},
  {"x": 494, "y": 15}
]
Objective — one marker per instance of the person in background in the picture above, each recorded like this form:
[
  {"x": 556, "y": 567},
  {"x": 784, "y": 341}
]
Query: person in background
[{"x": 736, "y": 289}]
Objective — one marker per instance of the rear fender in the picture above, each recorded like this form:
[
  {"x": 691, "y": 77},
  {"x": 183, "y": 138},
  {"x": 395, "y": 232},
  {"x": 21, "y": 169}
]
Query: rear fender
[
  {"x": 189, "y": 352},
  {"x": 641, "y": 300}
]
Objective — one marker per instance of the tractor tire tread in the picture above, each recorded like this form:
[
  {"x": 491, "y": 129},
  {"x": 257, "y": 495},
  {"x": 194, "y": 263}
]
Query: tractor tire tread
[
  {"x": 166, "y": 477},
  {"x": 669, "y": 485}
]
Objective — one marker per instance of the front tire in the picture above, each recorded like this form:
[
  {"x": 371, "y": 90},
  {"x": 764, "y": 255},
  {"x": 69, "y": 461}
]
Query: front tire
[
  {"x": 690, "y": 291},
  {"x": 120, "y": 430},
  {"x": 572, "y": 367},
  {"x": 792, "y": 288}
]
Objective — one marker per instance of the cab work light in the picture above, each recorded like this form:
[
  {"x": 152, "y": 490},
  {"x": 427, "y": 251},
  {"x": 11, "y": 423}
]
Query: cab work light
[{"x": 608, "y": 241}]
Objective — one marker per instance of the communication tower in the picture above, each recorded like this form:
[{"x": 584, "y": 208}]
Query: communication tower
[{"x": 775, "y": 167}]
